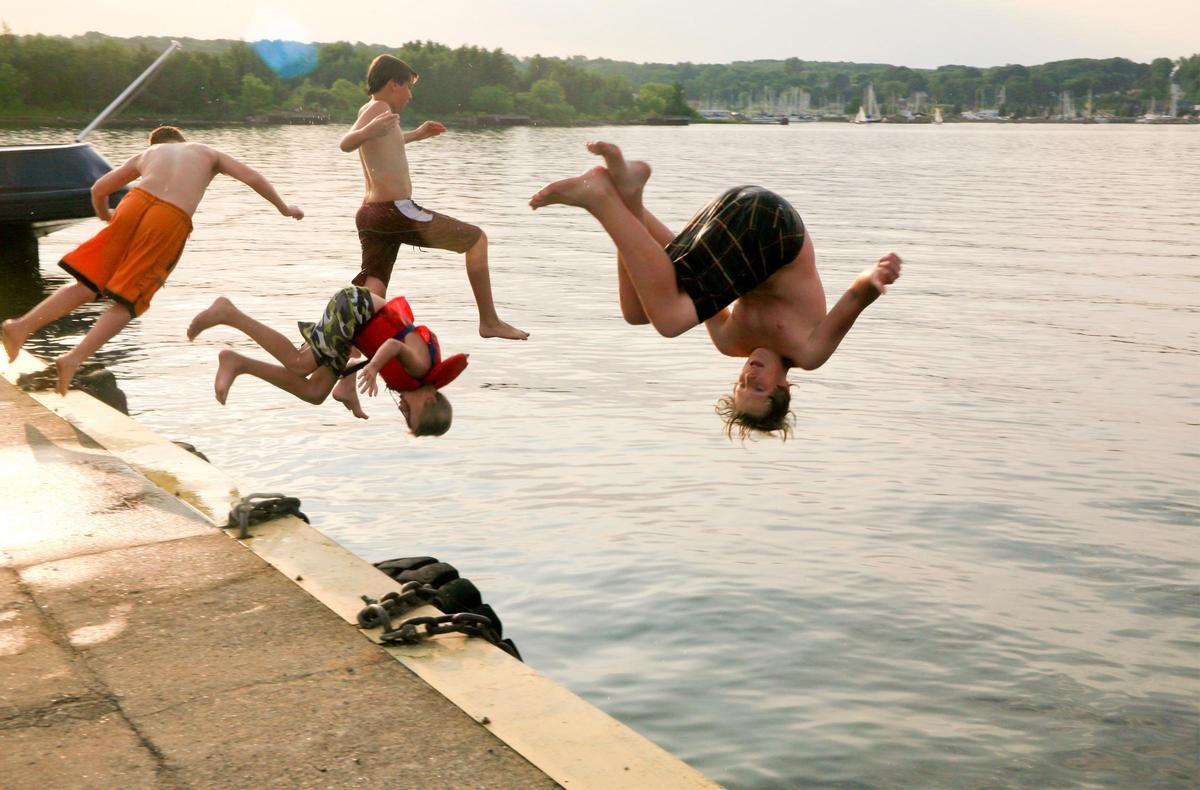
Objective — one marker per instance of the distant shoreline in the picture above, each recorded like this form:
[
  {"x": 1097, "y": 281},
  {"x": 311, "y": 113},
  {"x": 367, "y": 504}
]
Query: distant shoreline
[{"x": 60, "y": 122}]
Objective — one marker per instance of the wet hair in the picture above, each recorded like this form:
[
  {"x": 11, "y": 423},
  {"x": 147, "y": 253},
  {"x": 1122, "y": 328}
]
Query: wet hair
[
  {"x": 386, "y": 68},
  {"x": 777, "y": 421},
  {"x": 435, "y": 417},
  {"x": 166, "y": 134}
]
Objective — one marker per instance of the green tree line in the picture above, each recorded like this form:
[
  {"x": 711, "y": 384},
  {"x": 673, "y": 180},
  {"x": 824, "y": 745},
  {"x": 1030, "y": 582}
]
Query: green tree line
[
  {"x": 224, "y": 80},
  {"x": 48, "y": 75},
  {"x": 1117, "y": 84}
]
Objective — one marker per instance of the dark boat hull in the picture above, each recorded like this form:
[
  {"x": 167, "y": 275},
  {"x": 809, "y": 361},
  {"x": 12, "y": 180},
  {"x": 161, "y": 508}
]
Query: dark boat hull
[{"x": 49, "y": 186}]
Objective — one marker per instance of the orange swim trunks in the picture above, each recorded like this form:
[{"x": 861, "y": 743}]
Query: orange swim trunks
[{"x": 130, "y": 258}]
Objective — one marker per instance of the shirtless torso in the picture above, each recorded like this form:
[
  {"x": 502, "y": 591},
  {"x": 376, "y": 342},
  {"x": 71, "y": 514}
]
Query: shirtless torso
[
  {"x": 383, "y": 157},
  {"x": 780, "y": 314},
  {"x": 179, "y": 173}
]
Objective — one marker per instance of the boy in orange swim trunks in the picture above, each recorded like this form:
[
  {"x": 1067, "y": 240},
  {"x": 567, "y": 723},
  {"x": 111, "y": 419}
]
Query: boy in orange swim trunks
[{"x": 131, "y": 257}]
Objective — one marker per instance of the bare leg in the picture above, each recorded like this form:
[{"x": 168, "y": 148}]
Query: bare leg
[
  {"x": 345, "y": 394},
  {"x": 631, "y": 305},
  {"x": 112, "y": 321},
  {"x": 644, "y": 260},
  {"x": 375, "y": 286},
  {"x": 480, "y": 278},
  {"x": 630, "y": 179},
  {"x": 17, "y": 330},
  {"x": 224, "y": 312},
  {"x": 313, "y": 389}
]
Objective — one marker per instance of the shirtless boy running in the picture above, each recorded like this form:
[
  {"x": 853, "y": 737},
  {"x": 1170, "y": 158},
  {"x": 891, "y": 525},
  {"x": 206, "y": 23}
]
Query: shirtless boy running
[
  {"x": 132, "y": 256},
  {"x": 388, "y": 216},
  {"x": 744, "y": 266}
]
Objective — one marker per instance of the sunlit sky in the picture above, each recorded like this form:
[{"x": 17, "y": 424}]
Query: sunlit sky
[{"x": 917, "y": 33}]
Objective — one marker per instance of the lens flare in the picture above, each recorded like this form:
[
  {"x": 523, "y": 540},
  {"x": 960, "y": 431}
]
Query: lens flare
[
  {"x": 287, "y": 58},
  {"x": 277, "y": 35}
]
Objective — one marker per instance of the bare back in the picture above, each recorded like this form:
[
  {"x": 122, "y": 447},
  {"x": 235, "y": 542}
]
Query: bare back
[
  {"x": 780, "y": 314},
  {"x": 179, "y": 173},
  {"x": 384, "y": 160}
]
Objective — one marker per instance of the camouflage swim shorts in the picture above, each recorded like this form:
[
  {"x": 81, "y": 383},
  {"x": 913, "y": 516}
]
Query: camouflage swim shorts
[{"x": 332, "y": 338}]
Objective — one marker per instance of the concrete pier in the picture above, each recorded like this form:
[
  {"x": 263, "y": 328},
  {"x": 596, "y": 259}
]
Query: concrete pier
[{"x": 141, "y": 646}]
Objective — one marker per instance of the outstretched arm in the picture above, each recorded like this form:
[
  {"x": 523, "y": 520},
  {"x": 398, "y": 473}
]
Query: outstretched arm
[
  {"x": 392, "y": 348},
  {"x": 257, "y": 181},
  {"x": 112, "y": 181},
  {"x": 828, "y": 334},
  {"x": 424, "y": 132},
  {"x": 375, "y": 120}
]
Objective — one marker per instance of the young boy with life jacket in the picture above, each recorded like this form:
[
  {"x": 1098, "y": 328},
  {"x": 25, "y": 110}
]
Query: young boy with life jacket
[{"x": 406, "y": 355}]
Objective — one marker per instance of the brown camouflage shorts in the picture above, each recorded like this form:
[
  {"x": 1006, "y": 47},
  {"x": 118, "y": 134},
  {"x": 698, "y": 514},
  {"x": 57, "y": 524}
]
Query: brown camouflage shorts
[{"x": 383, "y": 227}]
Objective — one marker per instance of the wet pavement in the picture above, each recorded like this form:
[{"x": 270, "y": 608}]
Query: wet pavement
[{"x": 142, "y": 647}]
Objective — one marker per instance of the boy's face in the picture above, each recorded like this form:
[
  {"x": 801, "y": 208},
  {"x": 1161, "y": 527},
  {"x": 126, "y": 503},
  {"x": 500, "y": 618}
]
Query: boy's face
[
  {"x": 401, "y": 94},
  {"x": 762, "y": 374},
  {"x": 412, "y": 404}
]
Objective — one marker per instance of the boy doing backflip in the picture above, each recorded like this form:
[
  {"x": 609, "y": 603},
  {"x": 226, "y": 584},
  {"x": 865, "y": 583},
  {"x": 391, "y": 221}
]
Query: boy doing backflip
[
  {"x": 131, "y": 257},
  {"x": 744, "y": 266},
  {"x": 388, "y": 217},
  {"x": 407, "y": 356}
]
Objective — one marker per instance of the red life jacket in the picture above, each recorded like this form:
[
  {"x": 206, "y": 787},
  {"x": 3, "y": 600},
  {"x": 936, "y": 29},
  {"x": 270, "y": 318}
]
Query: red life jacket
[{"x": 393, "y": 320}]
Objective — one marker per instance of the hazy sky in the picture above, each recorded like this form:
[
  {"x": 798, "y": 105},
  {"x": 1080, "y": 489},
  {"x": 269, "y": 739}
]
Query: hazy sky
[{"x": 920, "y": 33}]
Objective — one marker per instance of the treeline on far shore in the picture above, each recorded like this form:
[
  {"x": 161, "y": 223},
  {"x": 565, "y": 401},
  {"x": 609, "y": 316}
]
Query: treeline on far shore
[{"x": 43, "y": 78}]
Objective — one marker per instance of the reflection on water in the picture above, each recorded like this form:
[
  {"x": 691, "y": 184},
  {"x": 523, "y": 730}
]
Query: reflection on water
[{"x": 975, "y": 565}]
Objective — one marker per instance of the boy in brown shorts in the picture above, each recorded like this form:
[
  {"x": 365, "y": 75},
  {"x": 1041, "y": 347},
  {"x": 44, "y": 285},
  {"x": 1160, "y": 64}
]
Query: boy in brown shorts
[
  {"x": 388, "y": 217},
  {"x": 132, "y": 256}
]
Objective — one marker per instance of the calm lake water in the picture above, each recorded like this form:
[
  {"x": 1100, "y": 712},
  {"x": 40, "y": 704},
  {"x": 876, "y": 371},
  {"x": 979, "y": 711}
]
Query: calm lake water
[{"x": 975, "y": 564}]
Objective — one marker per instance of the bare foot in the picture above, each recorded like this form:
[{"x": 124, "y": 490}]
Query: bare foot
[
  {"x": 502, "y": 329},
  {"x": 584, "y": 191},
  {"x": 214, "y": 314},
  {"x": 228, "y": 368},
  {"x": 66, "y": 371},
  {"x": 345, "y": 394},
  {"x": 13, "y": 340},
  {"x": 629, "y": 177}
]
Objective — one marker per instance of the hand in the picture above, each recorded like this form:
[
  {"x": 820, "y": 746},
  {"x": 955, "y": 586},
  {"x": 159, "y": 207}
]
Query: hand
[
  {"x": 367, "y": 383},
  {"x": 885, "y": 272},
  {"x": 293, "y": 211},
  {"x": 430, "y": 129},
  {"x": 382, "y": 124}
]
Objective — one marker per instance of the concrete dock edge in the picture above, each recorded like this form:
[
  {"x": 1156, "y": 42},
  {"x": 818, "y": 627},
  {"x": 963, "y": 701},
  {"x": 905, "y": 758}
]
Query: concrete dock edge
[{"x": 135, "y": 473}]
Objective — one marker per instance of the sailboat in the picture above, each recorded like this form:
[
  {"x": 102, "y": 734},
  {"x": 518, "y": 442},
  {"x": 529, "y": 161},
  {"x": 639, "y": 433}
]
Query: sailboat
[
  {"x": 868, "y": 112},
  {"x": 1066, "y": 108},
  {"x": 1169, "y": 116}
]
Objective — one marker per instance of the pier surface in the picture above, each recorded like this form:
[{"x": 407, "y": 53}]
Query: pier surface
[{"x": 142, "y": 646}]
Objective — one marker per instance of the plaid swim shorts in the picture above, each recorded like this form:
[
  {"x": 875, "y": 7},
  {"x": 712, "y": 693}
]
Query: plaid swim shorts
[{"x": 733, "y": 245}]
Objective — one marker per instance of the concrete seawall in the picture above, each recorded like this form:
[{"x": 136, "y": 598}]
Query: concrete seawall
[{"x": 141, "y": 646}]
